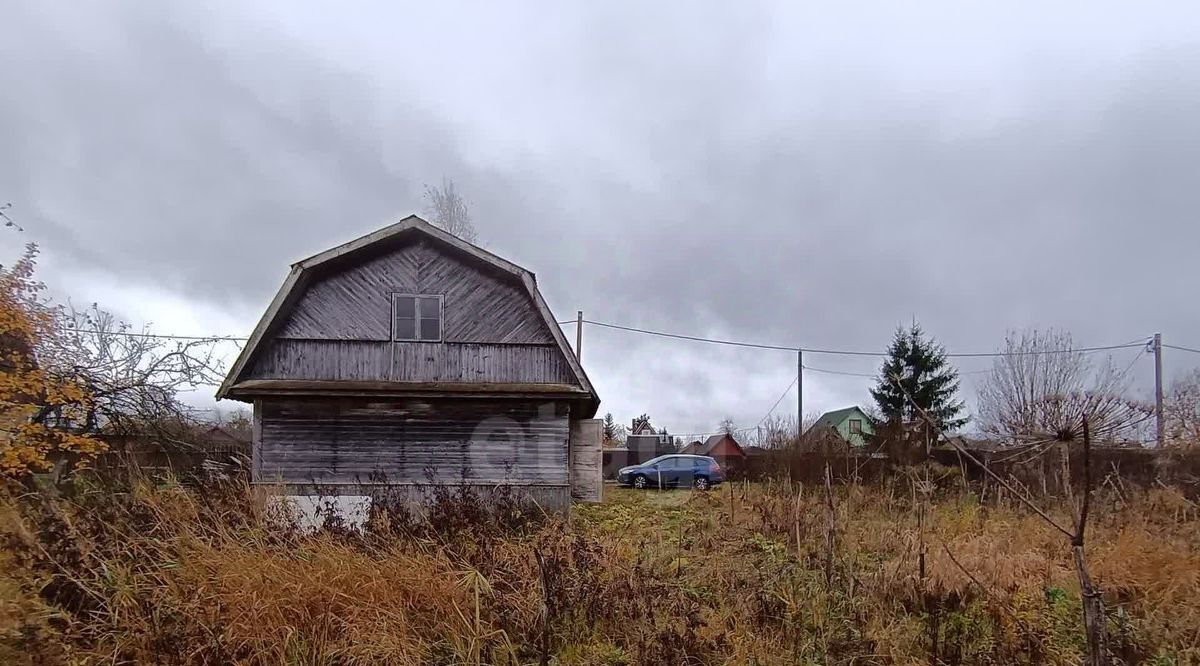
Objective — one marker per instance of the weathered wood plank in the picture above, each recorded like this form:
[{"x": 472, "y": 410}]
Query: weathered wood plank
[
  {"x": 424, "y": 390},
  {"x": 256, "y": 436},
  {"x": 586, "y": 460},
  {"x": 352, "y": 360},
  {"x": 413, "y": 441},
  {"x": 354, "y": 302}
]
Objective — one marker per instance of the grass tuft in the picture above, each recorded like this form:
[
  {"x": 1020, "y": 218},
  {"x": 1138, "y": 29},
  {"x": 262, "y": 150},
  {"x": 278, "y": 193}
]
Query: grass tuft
[{"x": 148, "y": 571}]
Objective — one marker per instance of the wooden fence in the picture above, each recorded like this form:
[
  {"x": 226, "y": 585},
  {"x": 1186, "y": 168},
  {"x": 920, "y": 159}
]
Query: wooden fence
[{"x": 1041, "y": 470}]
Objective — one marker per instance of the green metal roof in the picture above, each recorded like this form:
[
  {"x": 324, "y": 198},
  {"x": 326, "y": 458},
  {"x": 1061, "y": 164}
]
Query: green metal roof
[{"x": 835, "y": 417}]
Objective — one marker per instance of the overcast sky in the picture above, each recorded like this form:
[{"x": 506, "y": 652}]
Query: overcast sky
[{"x": 796, "y": 174}]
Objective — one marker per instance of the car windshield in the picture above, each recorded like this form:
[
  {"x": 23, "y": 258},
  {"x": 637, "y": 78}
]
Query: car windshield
[{"x": 659, "y": 459}]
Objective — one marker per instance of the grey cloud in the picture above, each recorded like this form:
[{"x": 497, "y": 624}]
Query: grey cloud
[
  {"x": 745, "y": 175},
  {"x": 168, "y": 160}
]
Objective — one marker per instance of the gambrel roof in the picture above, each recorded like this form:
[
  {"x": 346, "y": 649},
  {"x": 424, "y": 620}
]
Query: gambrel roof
[{"x": 303, "y": 271}]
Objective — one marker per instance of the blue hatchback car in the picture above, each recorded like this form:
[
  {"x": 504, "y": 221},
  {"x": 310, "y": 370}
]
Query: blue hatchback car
[{"x": 674, "y": 470}]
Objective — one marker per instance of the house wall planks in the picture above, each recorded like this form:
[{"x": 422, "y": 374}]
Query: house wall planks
[
  {"x": 354, "y": 360},
  {"x": 348, "y": 441},
  {"x": 587, "y": 460}
]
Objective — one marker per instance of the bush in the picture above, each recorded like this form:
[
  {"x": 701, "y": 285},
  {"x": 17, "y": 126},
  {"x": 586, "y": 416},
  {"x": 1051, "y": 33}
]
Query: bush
[{"x": 138, "y": 570}]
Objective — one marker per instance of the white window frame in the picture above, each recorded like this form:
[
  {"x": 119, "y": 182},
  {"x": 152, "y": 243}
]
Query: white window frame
[
  {"x": 417, "y": 327},
  {"x": 850, "y": 426}
]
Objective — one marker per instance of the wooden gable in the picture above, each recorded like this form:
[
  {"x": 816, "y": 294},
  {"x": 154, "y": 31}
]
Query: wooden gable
[
  {"x": 329, "y": 327},
  {"x": 722, "y": 446},
  {"x": 352, "y": 301}
]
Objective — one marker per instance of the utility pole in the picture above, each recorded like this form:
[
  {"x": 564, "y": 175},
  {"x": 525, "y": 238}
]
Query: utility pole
[
  {"x": 799, "y": 392},
  {"x": 579, "y": 335},
  {"x": 1158, "y": 393}
]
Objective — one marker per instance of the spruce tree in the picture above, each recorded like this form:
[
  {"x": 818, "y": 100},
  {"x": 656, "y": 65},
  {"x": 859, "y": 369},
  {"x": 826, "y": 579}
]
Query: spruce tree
[
  {"x": 610, "y": 428},
  {"x": 925, "y": 375}
]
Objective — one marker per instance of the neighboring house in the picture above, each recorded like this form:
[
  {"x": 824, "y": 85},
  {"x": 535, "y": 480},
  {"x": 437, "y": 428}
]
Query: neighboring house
[
  {"x": 641, "y": 426},
  {"x": 723, "y": 447},
  {"x": 408, "y": 358},
  {"x": 850, "y": 424},
  {"x": 658, "y": 443},
  {"x": 638, "y": 448}
]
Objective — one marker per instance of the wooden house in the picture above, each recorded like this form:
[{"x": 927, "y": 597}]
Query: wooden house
[
  {"x": 851, "y": 425},
  {"x": 723, "y": 447},
  {"x": 409, "y": 358}
]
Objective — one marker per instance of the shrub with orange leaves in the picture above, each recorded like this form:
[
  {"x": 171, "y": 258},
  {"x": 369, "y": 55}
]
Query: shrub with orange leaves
[{"x": 40, "y": 411}]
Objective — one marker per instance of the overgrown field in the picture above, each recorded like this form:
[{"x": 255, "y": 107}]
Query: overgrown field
[{"x": 152, "y": 572}]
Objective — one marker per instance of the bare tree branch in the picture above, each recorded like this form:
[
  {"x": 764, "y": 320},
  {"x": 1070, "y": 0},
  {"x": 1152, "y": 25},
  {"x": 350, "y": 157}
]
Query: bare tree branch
[
  {"x": 1182, "y": 411},
  {"x": 134, "y": 381},
  {"x": 8, "y": 221},
  {"x": 988, "y": 470},
  {"x": 1041, "y": 388},
  {"x": 776, "y": 432},
  {"x": 447, "y": 209}
]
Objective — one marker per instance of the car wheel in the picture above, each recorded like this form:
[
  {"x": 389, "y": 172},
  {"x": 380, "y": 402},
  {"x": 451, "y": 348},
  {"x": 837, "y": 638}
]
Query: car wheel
[
  {"x": 640, "y": 482},
  {"x": 701, "y": 483}
]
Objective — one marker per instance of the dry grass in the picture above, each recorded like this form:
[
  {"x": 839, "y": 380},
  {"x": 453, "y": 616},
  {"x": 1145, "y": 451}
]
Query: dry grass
[{"x": 145, "y": 573}]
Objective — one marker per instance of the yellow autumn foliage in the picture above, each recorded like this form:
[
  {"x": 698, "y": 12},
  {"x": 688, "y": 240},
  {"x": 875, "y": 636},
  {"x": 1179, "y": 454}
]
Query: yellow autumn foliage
[{"x": 29, "y": 392}]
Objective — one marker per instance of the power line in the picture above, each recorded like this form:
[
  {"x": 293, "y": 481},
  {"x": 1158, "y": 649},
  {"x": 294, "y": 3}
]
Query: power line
[
  {"x": 872, "y": 376},
  {"x": 839, "y": 372},
  {"x": 166, "y": 336},
  {"x": 760, "y": 421},
  {"x": 1139, "y": 342},
  {"x": 1185, "y": 349},
  {"x": 1132, "y": 363},
  {"x": 690, "y": 435},
  {"x": 846, "y": 352},
  {"x": 732, "y": 343},
  {"x": 781, "y": 397},
  {"x": 697, "y": 338}
]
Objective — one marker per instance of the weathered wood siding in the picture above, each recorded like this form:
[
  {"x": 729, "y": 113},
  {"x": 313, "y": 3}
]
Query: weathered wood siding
[
  {"x": 416, "y": 494},
  {"x": 354, "y": 303},
  {"x": 410, "y": 362},
  {"x": 350, "y": 441},
  {"x": 587, "y": 480}
]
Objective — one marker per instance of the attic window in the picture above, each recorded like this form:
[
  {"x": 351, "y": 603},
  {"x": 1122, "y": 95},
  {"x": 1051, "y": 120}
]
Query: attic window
[
  {"x": 856, "y": 426},
  {"x": 416, "y": 318}
]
